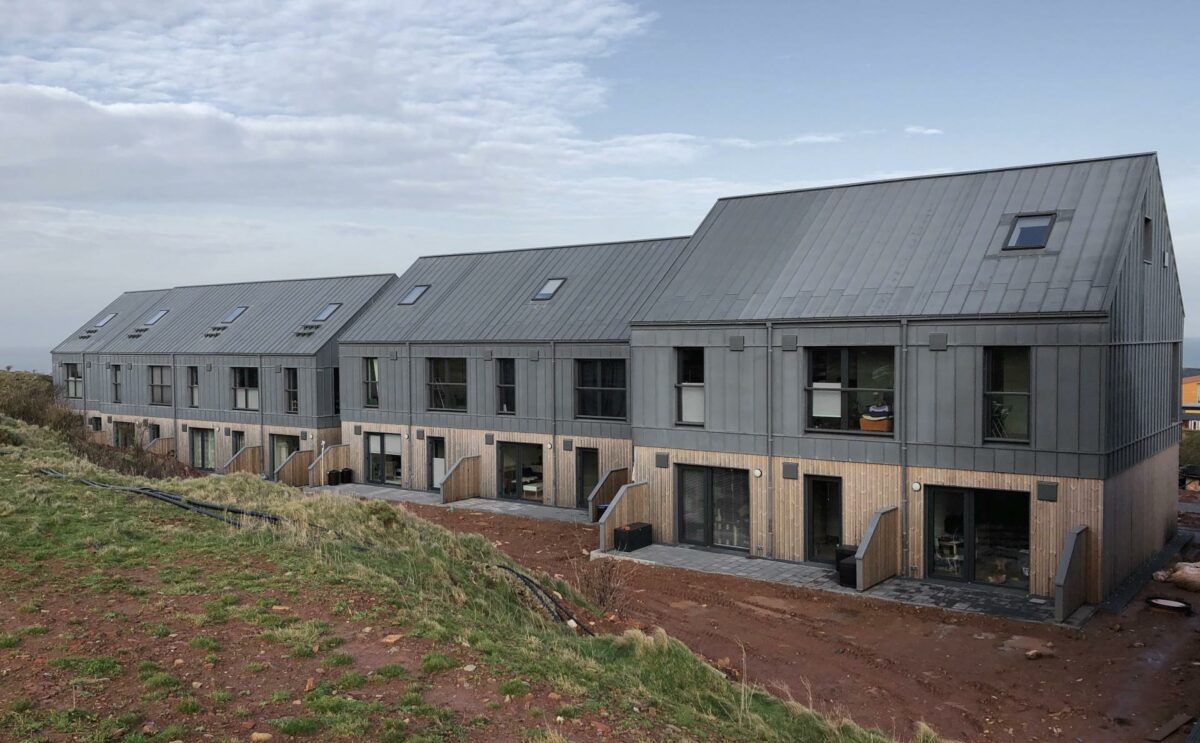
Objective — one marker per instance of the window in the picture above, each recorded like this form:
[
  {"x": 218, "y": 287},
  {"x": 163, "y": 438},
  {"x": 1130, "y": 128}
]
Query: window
[
  {"x": 1029, "y": 231},
  {"x": 155, "y": 317},
  {"x": 327, "y": 313},
  {"x": 291, "y": 390},
  {"x": 851, "y": 390},
  {"x": 160, "y": 385},
  {"x": 1147, "y": 239},
  {"x": 600, "y": 388},
  {"x": 337, "y": 391},
  {"x": 413, "y": 294},
  {"x": 371, "y": 379},
  {"x": 548, "y": 290},
  {"x": 155, "y": 432},
  {"x": 238, "y": 442},
  {"x": 1006, "y": 394},
  {"x": 116, "y": 383},
  {"x": 689, "y": 386},
  {"x": 506, "y": 386},
  {"x": 234, "y": 314},
  {"x": 74, "y": 381},
  {"x": 193, "y": 377},
  {"x": 448, "y": 384},
  {"x": 245, "y": 388},
  {"x": 104, "y": 320},
  {"x": 95, "y": 423}
]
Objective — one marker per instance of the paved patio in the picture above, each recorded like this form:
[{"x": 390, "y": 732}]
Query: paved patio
[
  {"x": 981, "y": 600},
  {"x": 524, "y": 509}
]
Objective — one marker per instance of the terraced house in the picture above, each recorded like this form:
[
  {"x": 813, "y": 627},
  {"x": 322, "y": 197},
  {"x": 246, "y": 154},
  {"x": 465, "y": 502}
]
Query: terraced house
[{"x": 226, "y": 377}]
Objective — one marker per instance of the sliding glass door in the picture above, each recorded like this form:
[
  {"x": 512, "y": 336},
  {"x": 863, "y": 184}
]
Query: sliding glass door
[
  {"x": 714, "y": 506},
  {"x": 203, "y": 442},
  {"x": 384, "y": 458},
  {"x": 976, "y": 535}
]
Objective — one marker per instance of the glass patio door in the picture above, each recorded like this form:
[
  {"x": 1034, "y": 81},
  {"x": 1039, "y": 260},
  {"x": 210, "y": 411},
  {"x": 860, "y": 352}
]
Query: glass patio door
[
  {"x": 384, "y": 459},
  {"x": 714, "y": 506},
  {"x": 202, "y": 442},
  {"x": 521, "y": 474},
  {"x": 981, "y": 536}
]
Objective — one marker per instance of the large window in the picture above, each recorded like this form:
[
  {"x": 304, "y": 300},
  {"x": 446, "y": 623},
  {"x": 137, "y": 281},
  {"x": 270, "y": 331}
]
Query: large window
[
  {"x": 371, "y": 382},
  {"x": 851, "y": 389},
  {"x": 116, "y": 382},
  {"x": 291, "y": 390},
  {"x": 448, "y": 384},
  {"x": 600, "y": 388},
  {"x": 1006, "y": 394},
  {"x": 689, "y": 386},
  {"x": 160, "y": 385},
  {"x": 74, "y": 381},
  {"x": 506, "y": 386},
  {"x": 193, "y": 377},
  {"x": 245, "y": 388}
]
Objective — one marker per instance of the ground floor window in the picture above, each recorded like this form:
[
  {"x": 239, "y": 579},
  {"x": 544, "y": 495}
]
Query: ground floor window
[
  {"x": 978, "y": 535},
  {"x": 521, "y": 471},
  {"x": 124, "y": 434},
  {"x": 384, "y": 458},
  {"x": 714, "y": 506},
  {"x": 203, "y": 444}
]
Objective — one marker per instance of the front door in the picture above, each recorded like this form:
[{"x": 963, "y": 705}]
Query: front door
[
  {"x": 282, "y": 447},
  {"x": 587, "y": 474},
  {"x": 822, "y": 517},
  {"x": 521, "y": 473},
  {"x": 384, "y": 460},
  {"x": 437, "y": 462},
  {"x": 202, "y": 442},
  {"x": 980, "y": 536},
  {"x": 714, "y": 506}
]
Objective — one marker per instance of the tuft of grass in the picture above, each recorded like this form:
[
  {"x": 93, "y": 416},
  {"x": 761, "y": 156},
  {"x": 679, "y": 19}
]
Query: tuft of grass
[
  {"x": 188, "y": 706},
  {"x": 221, "y": 696},
  {"x": 390, "y": 671},
  {"x": 434, "y": 662},
  {"x": 338, "y": 659},
  {"x": 90, "y": 667},
  {"x": 350, "y": 680},
  {"x": 34, "y": 629},
  {"x": 157, "y": 629},
  {"x": 296, "y": 725},
  {"x": 9, "y": 640},
  {"x": 160, "y": 680},
  {"x": 205, "y": 642},
  {"x": 514, "y": 688},
  {"x": 255, "y": 666}
]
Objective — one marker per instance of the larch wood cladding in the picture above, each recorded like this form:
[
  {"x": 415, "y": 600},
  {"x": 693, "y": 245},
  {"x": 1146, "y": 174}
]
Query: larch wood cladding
[
  {"x": 1080, "y": 503},
  {"x": 606, "y": 490},
  {"x": 460, "y": 442},
  {"x": 878, "y": 555},
  {"x": 866, "y": 488},
  {"x": 462, "y": 480},
  {"x": 1140, "y": 506},
  {"x": 249, "y": 460},
  {"x": 294, "y": 470},
  {"x": 164, "y": 446},
  {"x": 335, "y": 457},
  {"x": 613, "y": 453},
  {"x": 633, "y": 503}
]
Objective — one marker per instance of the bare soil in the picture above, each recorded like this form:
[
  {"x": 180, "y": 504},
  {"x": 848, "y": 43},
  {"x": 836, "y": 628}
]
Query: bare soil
[{"x": 889, "y": 666}]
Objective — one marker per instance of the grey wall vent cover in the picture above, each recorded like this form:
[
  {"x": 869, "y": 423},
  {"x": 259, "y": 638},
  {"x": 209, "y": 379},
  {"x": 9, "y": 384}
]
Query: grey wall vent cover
[
  {"x": 358, "y": 430},
  {"x": 110, "y": 421},
  {"x": 489, "y": 438},
  {"x": 1047, "y": 491},
  {"x": 184, "y": 426},
  {"x": 938, "y": 341},
  {"x": 420, "y": 434},
  {"x": 737, "y": 343},
  {"x": 535, "y": 355},
  {"x": 487, "y": 354},
  {"x": 304, "y": 435},
  {"x": 226, "y": 431},
  {"x": 791, "y": 471},
  {"x": 662, "y": 460},
  {"x": 208, "y": 367},
  {"x": 790, "y": 343},
  {"x": 568, "y": 444}
]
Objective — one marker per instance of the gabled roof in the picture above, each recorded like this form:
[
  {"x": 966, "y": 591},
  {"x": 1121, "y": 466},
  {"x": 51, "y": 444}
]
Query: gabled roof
[
  {"x": 925, "y": 246},
  {"x": 278, "y": 318},
  {"x": 488, "y": 296},
  {"x": 128, "y": 308}
]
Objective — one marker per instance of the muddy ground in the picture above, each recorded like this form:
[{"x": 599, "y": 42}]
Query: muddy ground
[{"x": 890, "y": 666}]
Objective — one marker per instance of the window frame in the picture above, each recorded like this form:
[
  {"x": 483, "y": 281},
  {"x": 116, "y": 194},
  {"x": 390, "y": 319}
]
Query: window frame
[
  {"x": 115, "y": 379},
  {"x": 1147, "y": 239},
  {"x": 241, "y": 392},
  {"x": 544, "y": 294},
  {"x": 845, "y": 391},
  {"x": 506, "y": 389},
  {"x": 161, "y": 381},
  {"x": 681, "y": 385},
  {"x": 1012, "y": 231},
  {"x": 73, "y": 380},
  {"x": 327, "y": 312},
  {"x": 158, "y": 315},
  {"x": 232, "y": 316},
  {"x": 580, "y": 389},
  {"x": 291, "y": 390},
  {"x": 105, "y": 320},
  {"x": 988, "y": 393},
  {"x": 193, "y": 380},
  {"x": 409, "y": 298},
  {"x": 433, "y": 388},
  {"x": 371, "y": 382}
]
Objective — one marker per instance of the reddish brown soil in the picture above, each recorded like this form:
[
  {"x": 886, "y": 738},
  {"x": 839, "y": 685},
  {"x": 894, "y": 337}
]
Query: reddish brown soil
[{"x": 890, "y": 666}]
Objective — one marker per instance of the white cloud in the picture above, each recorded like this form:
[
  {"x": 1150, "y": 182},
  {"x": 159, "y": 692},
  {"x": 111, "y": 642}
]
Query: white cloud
[{"x": 925, "y": 130}]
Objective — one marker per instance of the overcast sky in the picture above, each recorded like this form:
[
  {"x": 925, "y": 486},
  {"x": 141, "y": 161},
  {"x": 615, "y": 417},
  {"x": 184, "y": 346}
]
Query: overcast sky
[{"x": 153, "y": 143}]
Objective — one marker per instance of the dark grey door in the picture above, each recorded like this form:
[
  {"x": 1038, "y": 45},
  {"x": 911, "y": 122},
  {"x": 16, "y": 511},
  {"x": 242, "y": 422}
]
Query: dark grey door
[
  {"x": 822, "y": 517},
  {"x": 587, "y": 474}
]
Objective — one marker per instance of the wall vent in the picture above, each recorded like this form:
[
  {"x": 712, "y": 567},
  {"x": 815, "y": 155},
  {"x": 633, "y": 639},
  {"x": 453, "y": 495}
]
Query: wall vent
[
  {"x": 789, "y": 343},
  {"x": 737, "y": 343},
  {"x": 662, "y": 460}
]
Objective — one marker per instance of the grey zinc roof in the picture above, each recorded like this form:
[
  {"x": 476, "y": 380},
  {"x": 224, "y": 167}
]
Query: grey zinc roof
[
  {"x": 129, "y": 308},
  {"x": 277, "y": 309},
  {"x": 910, "y": 247},
  {"x": 487, "y": 296}
]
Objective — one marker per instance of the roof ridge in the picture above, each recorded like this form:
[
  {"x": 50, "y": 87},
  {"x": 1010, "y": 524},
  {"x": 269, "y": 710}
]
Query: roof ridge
[{"x": 557, "y": 247}]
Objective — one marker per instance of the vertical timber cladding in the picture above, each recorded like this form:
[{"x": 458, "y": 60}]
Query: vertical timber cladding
[
  {"x": 460, "y": 442},
  {"x": 1139, "y": 514},
  {"x": 614, "y": 453},
  {"x": 1080, "y": 503},
  {"x": 866, "y": 488}
]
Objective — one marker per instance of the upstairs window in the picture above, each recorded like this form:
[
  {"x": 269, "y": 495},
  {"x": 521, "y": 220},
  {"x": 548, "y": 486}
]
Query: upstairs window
[
  {"x": 245, "y": 388},
  {"x": 1030, "y": 231},
  {"x": 371, "y": 381},
  {"x": 193, "y": 380},
  {"x": 448, "y": 384},
  {"x": 1147, "y": 239},
  {"x": 689, "y": 386},
  {"x": 548, "y": 290},
  {"x": 291, "y": 390},
  {"x": 1006, "y": 394},
  {"x": 160, "y": 385},
  {"x": 413, "y": 294},
  {"x": 116, "y": 382},
  {"x": 506, "y": 386},
  {"x": 104, "y": 320},
  {"x": 74, "y": 381},
  {"x": 327, "y": 312},
  {"x": 851, "y": 390},
  {"x": 155, "y": 317},
  {"x": 234, "y": 314},
  {"x": 600, "y": 389}
]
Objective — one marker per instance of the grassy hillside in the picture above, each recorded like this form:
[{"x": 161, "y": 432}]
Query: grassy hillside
[{"x": 112, "y": 602}]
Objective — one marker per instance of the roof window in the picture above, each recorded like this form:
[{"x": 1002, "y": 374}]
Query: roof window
[
  {"x": 414, "y": 294},
  {"x": 105, "y": 320},
  {"x": 234, "y": 314},
  {"x": 1030, "y": 231},
  {"x": 155, "y": 317},
  {"x": 548, "y": 290},
  {"x": 327, "y": 313}
]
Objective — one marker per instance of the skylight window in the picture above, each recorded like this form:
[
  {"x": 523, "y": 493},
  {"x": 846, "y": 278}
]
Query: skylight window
[
  {"x": 1030, "y": 231},
  {"x": 414, "y": 294},
  {"x": 548, "y": 290},
  {"x": 234, "y": 314},
  {"x": 104, "y": 320},
  {"x": 327, "y": 313},
  {"x": 155, "y": 317}
]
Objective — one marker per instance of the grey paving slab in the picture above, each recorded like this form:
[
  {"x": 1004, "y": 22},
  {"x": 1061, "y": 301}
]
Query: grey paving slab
[{"x": 488, "y": 505}]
